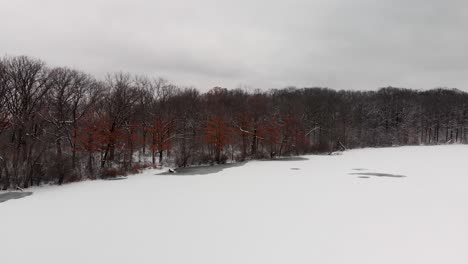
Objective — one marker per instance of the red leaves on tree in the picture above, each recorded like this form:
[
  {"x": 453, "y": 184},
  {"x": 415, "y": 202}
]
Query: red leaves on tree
[
  {"x": 4, "y": 122},
  {"x": 293, "y": 133},
  {"x": 92, "y": 135},
  {"x": 160, "y": 131},
  {"x": 271, "y": 134},
  {"x": 218, "y": 134},
  {"x": 131, "y": 137}
]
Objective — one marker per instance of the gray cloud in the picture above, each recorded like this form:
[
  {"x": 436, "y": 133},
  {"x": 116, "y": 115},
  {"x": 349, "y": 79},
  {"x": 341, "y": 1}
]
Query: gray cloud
[{"x": 343, "y": 44}]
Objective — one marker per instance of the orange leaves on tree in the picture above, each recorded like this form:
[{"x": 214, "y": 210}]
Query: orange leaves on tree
[
  {"x": 271, "y": 132},
  {"x": 160, "y": 131},
  {"x": 91, "y": 135},
  {"x": 218, "y": 133},
  {"x": 96, "y": 132},
  {"x": 294, "y": 132},
  {"x": 131, "y": 136}
]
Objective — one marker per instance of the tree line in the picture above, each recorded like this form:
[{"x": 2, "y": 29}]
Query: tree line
[{"x": 61, "y": 125}]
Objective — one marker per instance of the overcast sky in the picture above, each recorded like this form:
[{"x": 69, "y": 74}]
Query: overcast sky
[{"x": 342, "y": 44}]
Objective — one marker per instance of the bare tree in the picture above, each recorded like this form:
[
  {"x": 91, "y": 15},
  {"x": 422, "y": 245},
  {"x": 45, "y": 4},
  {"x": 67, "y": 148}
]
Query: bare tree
[
  {"x": 70, "y": 95},
  {"x": 26, "y": 89},
  {"x": 122, "y": 96}
]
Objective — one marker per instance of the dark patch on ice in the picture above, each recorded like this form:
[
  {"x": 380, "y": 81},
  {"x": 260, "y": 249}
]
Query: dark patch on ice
[
  {"x": 295, "y": 168},
  {"x": 13, "y": 195},
  {"x": 288, "y": 159},
  {"x": 364, "y": 177},
  {"x": 359, "y": 169},
  {"x": 202, "y": 170},
  {"x": 377, "y": 174},
  {"x": 115, "y": 179}
]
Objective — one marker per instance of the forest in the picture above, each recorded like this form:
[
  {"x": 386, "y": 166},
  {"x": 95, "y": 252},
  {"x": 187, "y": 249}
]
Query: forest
[{"x": 60, "y": 125}]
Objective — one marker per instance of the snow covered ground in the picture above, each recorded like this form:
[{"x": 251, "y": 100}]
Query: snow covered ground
[{"x": 320, "y": 210}]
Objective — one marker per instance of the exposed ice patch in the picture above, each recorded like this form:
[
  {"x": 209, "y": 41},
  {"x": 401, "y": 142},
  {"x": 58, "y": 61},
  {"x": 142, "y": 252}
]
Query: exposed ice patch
[
  {"x": 13, "y": 195},
  {"x": 378, "y": 174}
]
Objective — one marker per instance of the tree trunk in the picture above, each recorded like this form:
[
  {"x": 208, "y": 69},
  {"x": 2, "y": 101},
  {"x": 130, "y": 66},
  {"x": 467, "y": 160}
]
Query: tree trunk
[
  {"x": 6, "y": 179},
  {"x": 74, "y": 149},
  {"x": 144, "y": 142},
  {"x": 254, "y": 143},
  {"x": 244, "y": 146},
  {"x": 59, "y": 162},
  {"x": 104, "y": 157},
  {"x": 90, "y": 163}
]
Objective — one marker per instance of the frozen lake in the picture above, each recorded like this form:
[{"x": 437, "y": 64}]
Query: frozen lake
[{"x": 388, "y": 205}]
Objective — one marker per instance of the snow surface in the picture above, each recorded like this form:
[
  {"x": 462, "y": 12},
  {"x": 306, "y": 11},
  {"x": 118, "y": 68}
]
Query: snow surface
[{"x": 303, "y": 211}]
